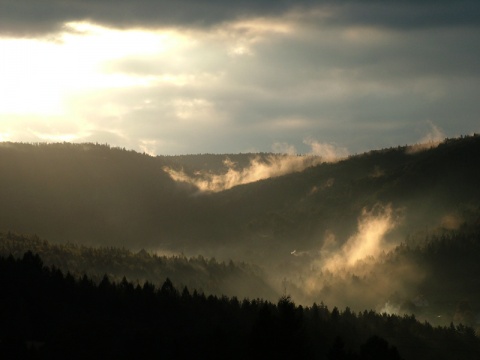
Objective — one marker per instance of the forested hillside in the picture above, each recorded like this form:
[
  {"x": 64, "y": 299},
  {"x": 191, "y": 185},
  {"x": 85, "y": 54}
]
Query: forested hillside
[
  {"x": 425, "y": 189},
  {"x": 47, "y": 315},
  {"x": 85, "y": 193},
  {"x": 205, "y": 275},
  {"x": 385, "y": 230},
  {"x": 94, "y": 194},
  {"x": 438, "y": 281}
]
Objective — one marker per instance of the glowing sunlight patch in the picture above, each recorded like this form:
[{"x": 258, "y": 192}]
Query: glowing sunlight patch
[
  {"x": 37, "y": 77},
  {"x": 4, "y": 137},
  {"x": 56, "y": 137}
]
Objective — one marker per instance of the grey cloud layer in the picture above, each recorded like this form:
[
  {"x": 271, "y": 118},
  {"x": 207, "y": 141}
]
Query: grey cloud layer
[
  {"x": 375, "y": 89},
  {"x": 38, "y": 18},
  {"x": 363, "y": 74}
]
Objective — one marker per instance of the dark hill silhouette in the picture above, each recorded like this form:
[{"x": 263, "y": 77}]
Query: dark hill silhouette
[
  {"x": 86, "y": 193},
  {"x": 49, "y": 315},
  {"x": 206, "y": 275},
  {"x": 94, "y": 194},
  {"x": 295, "y": 210}
]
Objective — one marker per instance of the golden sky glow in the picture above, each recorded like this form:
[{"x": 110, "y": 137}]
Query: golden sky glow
[
  {"x": 38, "y": 76},
  {"x": 242, "y": 83}
]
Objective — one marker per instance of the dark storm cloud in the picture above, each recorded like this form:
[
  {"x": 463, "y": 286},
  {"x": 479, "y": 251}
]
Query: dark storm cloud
[
  {"x": 38, "y": 18},
  {"x": 32, "y": 17},
  {"x": 410, "y": 14}
]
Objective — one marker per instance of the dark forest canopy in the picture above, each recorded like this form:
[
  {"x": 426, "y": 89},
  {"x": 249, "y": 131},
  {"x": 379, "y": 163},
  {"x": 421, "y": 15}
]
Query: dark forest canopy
[
  {"x": 206, "y": 275},
  {"x": 47, "y": 315},
  {"x": 437, "y": 279}
]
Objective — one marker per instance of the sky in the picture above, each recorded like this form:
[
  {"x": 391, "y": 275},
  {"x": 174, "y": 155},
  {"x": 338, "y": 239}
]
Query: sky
[{"x": 185, "y": 77}]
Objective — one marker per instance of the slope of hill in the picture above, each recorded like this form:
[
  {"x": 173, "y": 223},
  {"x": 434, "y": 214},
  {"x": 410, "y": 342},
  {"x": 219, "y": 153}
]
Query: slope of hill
[
  {"x": 299, "y": 227},
  {"x": 204, "y": 275},
  {"x": 94, "y": 194},
  {"x": 83, "y": 193},
  {"x": 437, "y": 281}
]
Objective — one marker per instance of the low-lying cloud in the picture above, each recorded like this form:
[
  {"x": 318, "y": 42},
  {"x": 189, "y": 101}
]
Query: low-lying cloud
[
  {"x": 337, "y": 262},
  {"x": 259, "y": 169},
  {"x": 327, "y": 152},
  {"x": 431, "y": 140},
  {"x": 357, "y": 273},
  {"x": 272, "y": 166},
  {"x": 368, "y": 242}
]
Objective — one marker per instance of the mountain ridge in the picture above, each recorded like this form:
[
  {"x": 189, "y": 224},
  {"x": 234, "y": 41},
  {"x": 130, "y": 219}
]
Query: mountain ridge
[
  {"x": 321, "y": 232},
  {"x": 124, "y": 195}
]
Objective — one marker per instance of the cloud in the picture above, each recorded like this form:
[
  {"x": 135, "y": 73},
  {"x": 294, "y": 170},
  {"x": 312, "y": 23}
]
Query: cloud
[
  {"x": 368, "y": 242},
  {"x": 272, "y": 166},
  {"x": 435, "y": 135},
  {"x": 249, "y": 76},
  {"x": 431, "y": 140},
  {"x": 284, "y": 148},
  {"x": 260, "y": 169},
  {"x": 327, "y": 152},
  {"x": 362, "y": 272},
  {"x": 409, "y": 14},
  {"x": 33, "y": 18},
  {"x": 30, "y": 18},
  {"x": 451, "y": 222}
]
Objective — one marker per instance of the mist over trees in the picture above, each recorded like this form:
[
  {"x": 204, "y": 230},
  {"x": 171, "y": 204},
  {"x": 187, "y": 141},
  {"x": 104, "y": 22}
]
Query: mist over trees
[
  {"x": 47, "y": 315},
  {"x": 203, "y": 274},
  {"x": 97, "y": 195},
  {"x": 395, "y": 232}
]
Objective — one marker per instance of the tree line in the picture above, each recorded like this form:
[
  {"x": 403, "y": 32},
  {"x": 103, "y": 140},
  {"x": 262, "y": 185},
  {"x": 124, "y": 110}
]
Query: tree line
[
  {"x": 197, "y": 272},
  {"x": 47, "y": 314}
]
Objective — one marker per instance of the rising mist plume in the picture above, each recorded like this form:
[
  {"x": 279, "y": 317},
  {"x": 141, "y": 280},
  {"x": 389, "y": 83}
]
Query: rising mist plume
[
  {"x": 431, "y": 140},
  {"x": 368, "y": 241},
  {"x": 260, "y": 169},
  {"x": 350, "y": 273}
]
